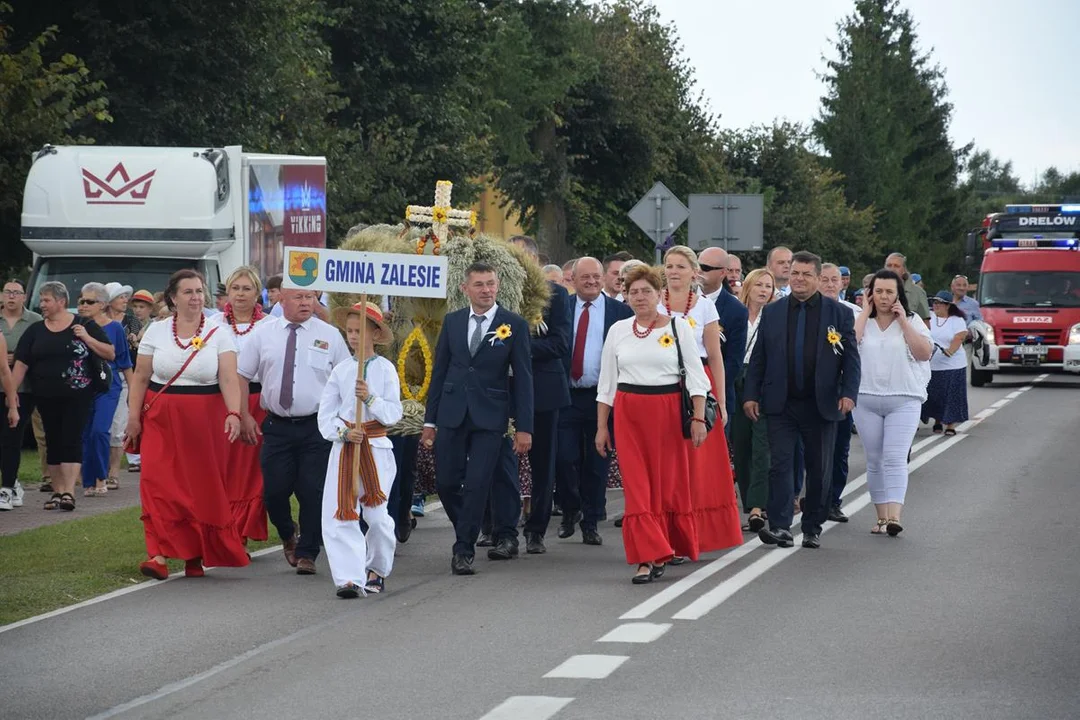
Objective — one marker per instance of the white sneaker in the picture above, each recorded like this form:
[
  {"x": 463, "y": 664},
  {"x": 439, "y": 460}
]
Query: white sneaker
[
  {"x": 5, "y": 499},
  {"x": 17, "y": 496}
]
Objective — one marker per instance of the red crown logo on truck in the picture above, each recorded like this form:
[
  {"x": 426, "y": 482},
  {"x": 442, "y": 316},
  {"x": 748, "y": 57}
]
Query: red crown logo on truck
[{"x": 103, "y": 192}]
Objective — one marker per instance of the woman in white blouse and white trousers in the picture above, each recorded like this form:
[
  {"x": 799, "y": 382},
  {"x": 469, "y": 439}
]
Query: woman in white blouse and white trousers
[
  {"x": 894, "y": 346},
  {"x": 359, "y": 562}
]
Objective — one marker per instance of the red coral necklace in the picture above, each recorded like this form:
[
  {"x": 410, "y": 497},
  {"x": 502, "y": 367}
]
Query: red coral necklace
[
  {"x": 689, "y": 302},
  {"x": 198, "y": 333},
  {"x": 647, "y": 330},
  {"x": 256, "y": 316}
]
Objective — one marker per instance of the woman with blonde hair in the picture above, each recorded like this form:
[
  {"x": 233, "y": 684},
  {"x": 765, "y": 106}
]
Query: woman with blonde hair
[
  {"x": 243, "y": 476},
  {"x": 639, "y": 378},
  {"x": 712, "y": 489},
  {"x": 750, "y": 440}
]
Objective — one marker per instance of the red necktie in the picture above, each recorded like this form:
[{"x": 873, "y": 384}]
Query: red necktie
[{"x": 577, "y": 362}]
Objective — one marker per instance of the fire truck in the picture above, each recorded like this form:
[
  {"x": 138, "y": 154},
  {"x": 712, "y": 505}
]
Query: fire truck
[
  {"x": 1029, "y": 291},
  {"x": 135, "y": 215}
]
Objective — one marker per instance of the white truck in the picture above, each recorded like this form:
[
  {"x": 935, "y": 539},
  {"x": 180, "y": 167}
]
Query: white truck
[{"x": 135, "y": 215}]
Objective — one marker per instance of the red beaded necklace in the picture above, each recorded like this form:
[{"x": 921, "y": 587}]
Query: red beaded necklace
[
  {"x": 647, "y": 331},
  {"x": 689, "y": 302},
  {"x": 198, "y": 333},
  {"x": 256, "y": 316}
]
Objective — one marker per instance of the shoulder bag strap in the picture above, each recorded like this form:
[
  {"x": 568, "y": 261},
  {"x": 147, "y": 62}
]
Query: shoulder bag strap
[
  {"x": 678, "y": 349},
  {"x": 174, "y": 378}
]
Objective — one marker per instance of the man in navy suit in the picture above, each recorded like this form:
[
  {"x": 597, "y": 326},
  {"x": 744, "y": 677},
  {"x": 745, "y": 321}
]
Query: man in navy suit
[
  {"x": 733, "y": 319},
  {"x": 469, "y": 406},
  {"x": 804, "y": 375},
  {"x": 551, "y": 392},
  {"x": 583, "y": 471}
]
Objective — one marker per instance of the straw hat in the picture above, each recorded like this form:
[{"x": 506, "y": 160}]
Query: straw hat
[
  {"x": 143, "y": 296},
  {"x": 384, "y": 335}
]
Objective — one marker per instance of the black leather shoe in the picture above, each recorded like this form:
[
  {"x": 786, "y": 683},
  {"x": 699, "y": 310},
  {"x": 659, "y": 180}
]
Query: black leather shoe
[
  {"x": 485, "y": 541},
  {"x": 567, "y": 526},
  {"x": 779, "y": 537},
  {"x": 462, "y": 565},
  {"x": 591, "y": 537},
  {"x": 503, "y": 550},
  {"x": 402, "y": 531},
  {"x": 534, "y": 544},
  {"x": 811, "y": 540},
  {"x": 837, "y": 515},
  {"x": 618, "y": 522}
]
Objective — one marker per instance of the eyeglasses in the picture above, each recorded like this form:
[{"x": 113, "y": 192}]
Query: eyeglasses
[
  {"x": 14, "y": 293},
  {"x": 87, "y": 301},
  {"x": 955, "y": 277}
]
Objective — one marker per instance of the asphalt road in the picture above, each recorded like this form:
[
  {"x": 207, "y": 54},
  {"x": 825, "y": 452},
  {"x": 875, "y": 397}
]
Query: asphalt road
[{"x": 971, "y": 613}]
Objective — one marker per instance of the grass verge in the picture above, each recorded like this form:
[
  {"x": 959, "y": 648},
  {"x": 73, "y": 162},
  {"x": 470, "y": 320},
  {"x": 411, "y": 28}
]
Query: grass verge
[{"x": 59, "y": 565}]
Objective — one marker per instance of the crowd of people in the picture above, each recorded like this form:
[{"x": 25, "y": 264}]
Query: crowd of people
[{"x": 721, "y": 404}]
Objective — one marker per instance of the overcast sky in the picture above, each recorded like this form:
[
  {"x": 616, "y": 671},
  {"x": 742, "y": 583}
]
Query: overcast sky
[{"x": 1011, "y": 66}]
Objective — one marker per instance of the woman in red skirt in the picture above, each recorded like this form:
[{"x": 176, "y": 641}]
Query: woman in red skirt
[
  {"x": 243, "y": 474},
  {"x": 639, "y": 377},
  {"x": 185, "y": 407},
  {"x": 712, "y": 488}
]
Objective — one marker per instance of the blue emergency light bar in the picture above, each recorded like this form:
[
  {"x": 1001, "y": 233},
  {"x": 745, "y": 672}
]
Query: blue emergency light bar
[{"x": 1036, "y": 242}]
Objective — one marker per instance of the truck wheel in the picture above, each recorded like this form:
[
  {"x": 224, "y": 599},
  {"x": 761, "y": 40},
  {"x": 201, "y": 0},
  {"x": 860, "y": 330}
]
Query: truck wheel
[{"x": 981, "y": 377}]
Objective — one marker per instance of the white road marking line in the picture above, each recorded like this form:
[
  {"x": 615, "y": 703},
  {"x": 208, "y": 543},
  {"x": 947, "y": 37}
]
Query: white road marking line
[
  {"x": 1013, "y": 395},
  {"x": 433, "y": 507},
  {"x": 143, "y": 585},
  {"x": 718, "y": 595},
  {"x": 528, "y": 707},
  {"x": 636, "y": 633},
  {"x": 1001, "y": 403},
  {"x": 588, "y": 667}
]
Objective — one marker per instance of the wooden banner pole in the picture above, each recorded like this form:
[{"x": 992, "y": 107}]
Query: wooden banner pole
[{"x": 360, "y": 346}]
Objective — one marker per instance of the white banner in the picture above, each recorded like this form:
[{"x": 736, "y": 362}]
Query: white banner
[{"x": 345, "y": 271}]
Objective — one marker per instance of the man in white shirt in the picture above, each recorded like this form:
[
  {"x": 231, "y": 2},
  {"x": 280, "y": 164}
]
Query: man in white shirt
[
  {"x": 293, "y": 356},
  {"x": 832, "y": 282},
  {"x": 734, "y": 272},
  {"x": 321, "y": 311},
  {"x": 581, "y": 471},
  {"x": 779, "y": 264}
]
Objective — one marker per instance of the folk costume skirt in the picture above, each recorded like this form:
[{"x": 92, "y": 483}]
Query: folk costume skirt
[
  {"x": 712, "y": 490},
  {"x": 244, "y": 480},
  {"x": 185, "y": 509},
  {"x": 654, "y": 458}
]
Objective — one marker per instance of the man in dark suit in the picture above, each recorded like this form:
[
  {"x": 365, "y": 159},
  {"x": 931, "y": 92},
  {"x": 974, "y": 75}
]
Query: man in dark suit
[
  {"x": 551, "y": 392},
  {"x": 583, "y": 471},
  {"x": 469, "y": 405},
  {"x": 804, "y": 375},
  {"x": 733, "y": 319}
]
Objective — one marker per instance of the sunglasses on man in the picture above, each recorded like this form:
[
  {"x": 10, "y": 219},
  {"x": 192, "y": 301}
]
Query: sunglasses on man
[{"x": 710, "y": 268}]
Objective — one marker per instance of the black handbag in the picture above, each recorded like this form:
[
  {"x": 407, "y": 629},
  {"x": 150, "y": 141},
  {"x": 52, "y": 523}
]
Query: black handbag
[
  {"x": 712, "y": 407},
  {"x": 101, "y": 372}
]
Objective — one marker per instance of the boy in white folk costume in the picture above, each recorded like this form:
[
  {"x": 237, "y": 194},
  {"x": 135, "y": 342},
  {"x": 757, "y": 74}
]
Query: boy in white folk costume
[{"x": 359, "y": 563}]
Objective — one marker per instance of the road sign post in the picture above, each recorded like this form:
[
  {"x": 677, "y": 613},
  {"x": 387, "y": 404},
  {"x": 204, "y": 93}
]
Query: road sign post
[{"x": 659, "y": 214}]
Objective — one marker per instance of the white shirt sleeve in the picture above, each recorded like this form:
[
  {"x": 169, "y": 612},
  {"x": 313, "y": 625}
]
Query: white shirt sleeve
[
  {"x": 151, "y": 338},
  {"x": 386, "y": 407},
  {"x": 697, "y": 382},
  {"x": 330, "y": 424},
  {"x": 224, "y": 340},
  {"x": 609, "y": 364}
]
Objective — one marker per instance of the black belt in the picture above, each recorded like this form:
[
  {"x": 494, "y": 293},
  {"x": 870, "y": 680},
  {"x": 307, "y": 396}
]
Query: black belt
[
  {"x": 649, "y": 389},
  {"x": 186, "y": 389},
  {"x": 293, "y": 420},
  {"x": 584, "y": 389},
  {"x": 254, "y": 387}
]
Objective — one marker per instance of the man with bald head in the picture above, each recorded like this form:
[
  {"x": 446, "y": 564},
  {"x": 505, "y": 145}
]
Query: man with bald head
[
  {"x": 582, "y": 472},
  {"x": 916, "y": 296},
  {"x": 779, "y": 264},
  {"x": 734, "y": 318},
  {"x": 734, "y": 271}
]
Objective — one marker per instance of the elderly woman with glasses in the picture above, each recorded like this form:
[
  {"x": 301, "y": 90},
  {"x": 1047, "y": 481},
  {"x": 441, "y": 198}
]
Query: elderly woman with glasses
[
  {"x": 56, "y": 354},
  {"x": 100, "y": 428}
]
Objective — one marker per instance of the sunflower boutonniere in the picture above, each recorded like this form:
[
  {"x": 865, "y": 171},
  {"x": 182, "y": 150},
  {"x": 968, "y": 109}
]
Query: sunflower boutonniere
[
  {"x": 666, "y": 340},
  {"x": 499, "y": 334},
  {"x": 834, "y": 340},
  {"x": 197, "y": 342}
]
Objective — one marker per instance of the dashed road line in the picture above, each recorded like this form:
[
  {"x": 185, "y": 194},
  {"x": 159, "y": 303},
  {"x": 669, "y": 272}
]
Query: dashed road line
[
  {"x": 636, "y": 633},
  {"x": 528, "y": 707},
  {"x": 588, "y": 667}
]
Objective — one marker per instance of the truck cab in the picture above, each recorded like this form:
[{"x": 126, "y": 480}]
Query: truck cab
[
  {"x": 1029, "y": 293},
  {"x": 135, "y": 215}
]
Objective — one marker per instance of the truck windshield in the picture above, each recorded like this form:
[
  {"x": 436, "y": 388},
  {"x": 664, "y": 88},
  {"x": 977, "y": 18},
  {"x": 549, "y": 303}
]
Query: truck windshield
[
  {"x": 140, "y": 273},
  {"x": 1029, "y": 289}
]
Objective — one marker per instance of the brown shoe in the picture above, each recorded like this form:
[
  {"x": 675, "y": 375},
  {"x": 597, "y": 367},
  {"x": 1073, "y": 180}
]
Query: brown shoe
[
  {"x": 289, "y": 548},
  {"x": 305, "y": 566}
]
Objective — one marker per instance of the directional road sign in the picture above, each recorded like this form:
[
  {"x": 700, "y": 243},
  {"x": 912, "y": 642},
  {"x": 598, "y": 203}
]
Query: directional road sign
[
  {"x": 659, "y": 214},
  {"x": 733, "y": 222}
]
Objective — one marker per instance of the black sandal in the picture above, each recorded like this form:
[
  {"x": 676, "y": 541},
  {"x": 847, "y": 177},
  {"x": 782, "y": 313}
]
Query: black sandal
[
  {"x": 949, "y": 432},
  {"x": 937, "y": 428},
  {"x": 756, "y": 522},
  {"x": 641, "y": 578},
  {"x": 657, "y": 572},
  {"x": 53, "y": 502},
  {"x": 67, "y": 502}
]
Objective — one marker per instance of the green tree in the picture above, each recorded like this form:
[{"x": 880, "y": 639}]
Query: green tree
[
  {"x": 41, "y": 102},
  {"x": 884, "y": 124},
  {"x": 805, "y": 207}
]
